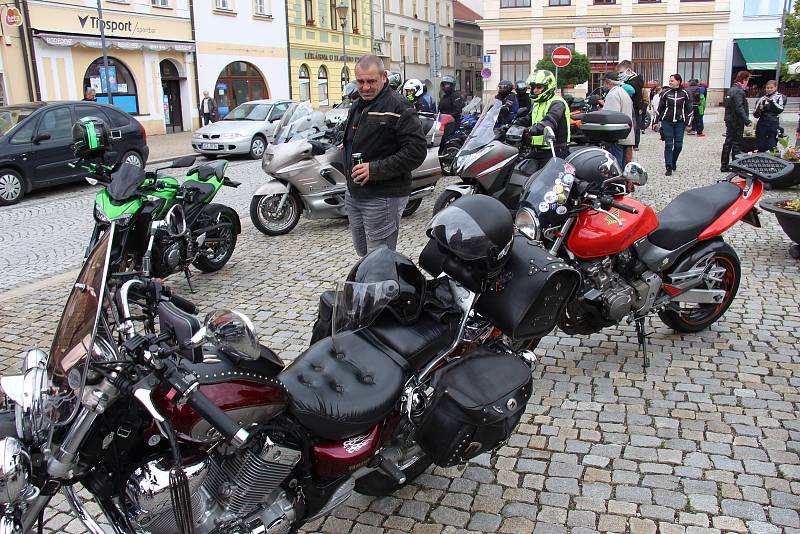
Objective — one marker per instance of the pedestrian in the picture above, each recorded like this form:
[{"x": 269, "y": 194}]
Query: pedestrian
[
  {"x": 208, "y": 109},
  {"x": 413, "y": 93},
  {"x": 768, "y": 107},
  {"x": 645, "y": 107},
  {"x": 523, "y": 98},
  {"x": 428, "y": 98},
  {"x": 451, "y": 101},
  {"x": 655, "y": 96},
  {"x": 90, "y": 95},
  {"x": 383, "y": 132},
  {"x": 737, "y": 116},
  {"x": 510, "y": 105},
  {"x": 674, "y": 113},
  {"x": 619, "y": 100},
  {"x": 627, "y": 75}
]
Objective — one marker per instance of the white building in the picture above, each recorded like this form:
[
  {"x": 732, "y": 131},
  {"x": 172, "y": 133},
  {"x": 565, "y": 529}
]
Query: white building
[
  {"x": 242, "y": 51},
  {"x": 754, "y": 28}
]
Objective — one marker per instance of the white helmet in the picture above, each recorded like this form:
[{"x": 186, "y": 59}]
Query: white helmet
[{"x": 412, "y": 89}]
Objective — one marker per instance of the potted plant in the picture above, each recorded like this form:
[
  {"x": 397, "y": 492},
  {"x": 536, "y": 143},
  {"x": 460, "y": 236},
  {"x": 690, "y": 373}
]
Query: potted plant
[
  {"x": 749, "y": 142},
  {"x": 790, "y": 154},
  {"x": 787, "y": 211}
]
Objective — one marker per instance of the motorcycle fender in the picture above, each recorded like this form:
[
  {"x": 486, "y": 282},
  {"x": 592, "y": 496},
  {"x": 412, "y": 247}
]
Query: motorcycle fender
[
  {"x": 738, "y": 210},
  {"x": 212, "y": 210},
  {"x": 461, "y": 189},
  {"x": 272, "y": 187}
]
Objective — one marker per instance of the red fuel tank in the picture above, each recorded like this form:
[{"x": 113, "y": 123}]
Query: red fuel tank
[{"x": 596, "y": 234}]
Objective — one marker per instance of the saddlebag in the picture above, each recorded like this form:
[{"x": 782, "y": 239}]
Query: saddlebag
[{"x": 477, "y": 403}]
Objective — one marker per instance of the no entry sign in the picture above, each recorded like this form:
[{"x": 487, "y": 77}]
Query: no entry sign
[{"x": 561, "y": 56}]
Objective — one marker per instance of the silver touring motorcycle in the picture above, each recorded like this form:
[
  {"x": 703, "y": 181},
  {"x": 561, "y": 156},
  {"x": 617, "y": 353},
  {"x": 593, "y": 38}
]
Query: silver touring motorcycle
[
  {"x": 177, "y": 425},
  {"x": 306, "y": 176}
]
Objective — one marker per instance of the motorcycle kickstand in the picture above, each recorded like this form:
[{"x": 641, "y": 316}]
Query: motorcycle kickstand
[
  {"x": 188, "y": 276},
  {"x": 641, "y": 336}
]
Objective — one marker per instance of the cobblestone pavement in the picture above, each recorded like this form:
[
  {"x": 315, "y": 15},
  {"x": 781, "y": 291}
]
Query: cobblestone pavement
[{"x": 706, "y": 440}]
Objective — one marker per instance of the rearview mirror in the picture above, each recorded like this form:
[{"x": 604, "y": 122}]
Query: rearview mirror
[
  {"x": 44, "y": 136},
  {"x": 231, "y": 332},
  {"x": 185, "y": 161},
  {"x": 635, "y": 173},
  {"x": 549, "y": 135}
]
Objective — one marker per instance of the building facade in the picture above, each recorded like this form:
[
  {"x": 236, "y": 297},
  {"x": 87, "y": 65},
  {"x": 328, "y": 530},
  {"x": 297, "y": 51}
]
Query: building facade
[
  {"x": 242, "y": 52},
  {"x": 754, "y": 33},
  {"x": 16, "y": 80},
  {"x": 689, "y": 37},
  {"x": 468, "y": 48},
  {"x": 322, "y": 52},
  {"x": 145, "y": 41}
]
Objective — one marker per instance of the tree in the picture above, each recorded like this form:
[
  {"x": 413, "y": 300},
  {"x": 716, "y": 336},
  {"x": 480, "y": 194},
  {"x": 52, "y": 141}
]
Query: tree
[
  {"x": 791, "y": 43},
  {"x": 578, "y": 71}
]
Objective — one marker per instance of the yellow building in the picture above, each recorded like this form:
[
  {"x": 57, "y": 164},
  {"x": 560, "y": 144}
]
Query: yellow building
[
  {"x": 16, "y": 84},
  {"x": 318, "y": 69}
]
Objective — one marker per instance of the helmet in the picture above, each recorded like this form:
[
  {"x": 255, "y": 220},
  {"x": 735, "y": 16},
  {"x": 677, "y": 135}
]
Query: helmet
[
  {"x": 91, "y": 137},
  {"x": 521, "y": 87},
  {"x": 545, "y": 79},
  {"x": 477, "y": 230},
  {"x": 350, "y": 91},
  {"x": 405, "y": 281},
  {"x": 505, "y": 87},
  {"x": 412, "y": 89},
  {"x": 395, "y": 80},
  {"x": 448, "y": 84},
  {"x": 594, "y": 165}
]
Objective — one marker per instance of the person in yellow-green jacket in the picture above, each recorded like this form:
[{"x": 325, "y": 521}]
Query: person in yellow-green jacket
[{"x": 548, "y": 109}]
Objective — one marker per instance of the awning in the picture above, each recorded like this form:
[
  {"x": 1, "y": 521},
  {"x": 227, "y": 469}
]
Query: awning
[
  {"x": 89, "y": 41},
  {"x": 760, "y": 54}
]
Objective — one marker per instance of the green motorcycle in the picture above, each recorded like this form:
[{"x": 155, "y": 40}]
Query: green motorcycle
[{"x": 162, "y": 225}]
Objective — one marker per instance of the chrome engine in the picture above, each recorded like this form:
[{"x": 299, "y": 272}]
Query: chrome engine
[
  {"x": 237, "y": 493},
  {"x": 604, "y": 287}
]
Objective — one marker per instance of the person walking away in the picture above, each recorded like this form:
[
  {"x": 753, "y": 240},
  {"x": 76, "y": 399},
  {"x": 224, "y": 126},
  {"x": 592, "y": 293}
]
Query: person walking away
[
  {"x": 737, "y": 116},
  {"x": 208, "y": 109},
  {"x": 451, "y": 101},
  {"x": 619, "y": 100},
  {"x": 90, "y": 95},
  {"x": 523, "y": 98},
  {"x": 674, "y": 113},
  {"x": 627, "y": 75},
  {"x": 645, "y": 107},
  {"x": 412, "y": 91},
  {"x": 693, "y": 90},
  {"x": 510, "y": 105},
  {"x": 655, "y": 96},
  {"x": 550, "y": 110},
  {"x": 384, "y": 134},
  {"x": 768, "y": 107},
  {"x": 428, "y": 98}
]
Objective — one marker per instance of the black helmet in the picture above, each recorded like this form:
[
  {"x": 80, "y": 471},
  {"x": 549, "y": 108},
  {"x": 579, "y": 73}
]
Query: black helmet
[
  {"x": 594, "y": 165},
  {"x": 521, "y": 87},
  {"x": 505, "y": 87},
  {"x": 478, "y": 231},
  {"x": 385, "y": 265},
  {"x": 90, "y": 137},
  {"x": 395, "y": 80}
]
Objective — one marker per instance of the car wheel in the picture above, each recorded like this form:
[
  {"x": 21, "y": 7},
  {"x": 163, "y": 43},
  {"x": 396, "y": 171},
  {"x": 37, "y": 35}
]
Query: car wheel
[
  {"x": 12, "y": 187},
  {"x": 132, "y": 158},
  {"x": 257, "y": 147}
]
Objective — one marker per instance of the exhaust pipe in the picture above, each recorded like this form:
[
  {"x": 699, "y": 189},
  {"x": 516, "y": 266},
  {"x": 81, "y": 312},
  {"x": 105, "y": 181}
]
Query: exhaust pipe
[{"x": 421, "y": 193}]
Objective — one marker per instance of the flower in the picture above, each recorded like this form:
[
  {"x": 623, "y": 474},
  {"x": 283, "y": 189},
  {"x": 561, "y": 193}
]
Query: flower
[{"x": 791, "y": 205}]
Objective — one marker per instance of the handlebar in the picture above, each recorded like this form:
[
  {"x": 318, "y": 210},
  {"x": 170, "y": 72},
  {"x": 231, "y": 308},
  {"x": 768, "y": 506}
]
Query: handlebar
[
  {"x": 608, "y": 201},
  {"x": 209, "y": 411}
]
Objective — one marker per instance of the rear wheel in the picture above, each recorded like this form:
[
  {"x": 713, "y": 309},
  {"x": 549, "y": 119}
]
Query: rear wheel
[
  {"x": 445, "y": 199},
  {"x": 132, "y": 158},
  {"x": 689, "y": 317},
  {"x": 273, "y": 219},
  {"x": 12, "y": 187},
  {"x": 219, "y": 244},
  {"x": 411, "y": 207}
]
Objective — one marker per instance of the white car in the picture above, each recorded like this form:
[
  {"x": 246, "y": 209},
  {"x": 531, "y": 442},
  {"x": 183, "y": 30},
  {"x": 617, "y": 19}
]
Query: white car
[{"x": 245, "y": 130}]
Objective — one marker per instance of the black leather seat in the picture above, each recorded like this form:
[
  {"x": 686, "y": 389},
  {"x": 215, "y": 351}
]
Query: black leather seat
[
  {"x": 205, "y": 189},
  {"x": 338, "y": 395},
  {"x": 210, "y": 169},
  {"x": 691, "y": 212},
  {"x": 417, "y": 343}
]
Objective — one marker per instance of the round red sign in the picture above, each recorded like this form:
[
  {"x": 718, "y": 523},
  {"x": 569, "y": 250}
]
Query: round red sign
[
  {"x": 13, "y": 17},
  {"x": 561, "y": 56}
]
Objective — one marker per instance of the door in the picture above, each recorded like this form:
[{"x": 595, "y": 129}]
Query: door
[
  {"x": 51, "y": 156},
  {"x": 173, "y": 113}
]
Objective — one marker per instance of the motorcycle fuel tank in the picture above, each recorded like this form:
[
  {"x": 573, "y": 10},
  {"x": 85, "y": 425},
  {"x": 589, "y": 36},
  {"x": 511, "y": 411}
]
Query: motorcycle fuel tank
[{"x": 596, "y": 234}]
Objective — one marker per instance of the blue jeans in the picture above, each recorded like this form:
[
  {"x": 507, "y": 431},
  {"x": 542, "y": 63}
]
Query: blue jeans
[
  {"x": 673, "y": 141},
  {"x": 618, "y": 151},
  {"x": 374, "y": 221}
]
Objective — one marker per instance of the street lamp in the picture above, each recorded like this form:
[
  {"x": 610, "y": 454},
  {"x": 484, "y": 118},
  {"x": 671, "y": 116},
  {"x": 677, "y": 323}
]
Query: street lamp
[
  {"x": 606, "y": 33},
  {"x": 341, "y": 12}
]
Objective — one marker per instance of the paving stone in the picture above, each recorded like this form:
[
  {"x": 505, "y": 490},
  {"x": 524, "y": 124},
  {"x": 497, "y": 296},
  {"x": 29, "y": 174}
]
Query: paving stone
[
  {"x": 484, "y": 522},
  {"x": 518, "y": 509},
  {"x": 548, "y": 528},
  {"x": 450, "y": 516},
  {"x": 612, "y": 523},
  {"x": 743, "y": 509},
  {"x": 642, "y": 526},
  {"x": 704, "y": 503},
  {"x": 784, "y": 517},
  {"x": 581, "y": 518},
  {"x": 731, "y": 524},
  {"x": 760, "y": 527}
]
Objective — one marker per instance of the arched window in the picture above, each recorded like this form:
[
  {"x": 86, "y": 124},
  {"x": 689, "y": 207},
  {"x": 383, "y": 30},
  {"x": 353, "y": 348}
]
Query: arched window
[
  {"x": 238, "y": 83},
  {"x": 118, "y": 80},
  {"x": 345, "y": 77},
  {"x": 322, "y": 86},
  {"x": 305, "y": 83}
]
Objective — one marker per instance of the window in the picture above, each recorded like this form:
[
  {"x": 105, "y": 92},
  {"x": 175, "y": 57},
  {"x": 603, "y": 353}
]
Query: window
[
  {"x": 438, "y": 12},
  {"x": 58, "y": 123},
  {"x": 322, "y": 86},
  {"x": 694, "y": 59},
  {"x": 387, "y": 5},
  {"x": 467, "y": 49},
  {"x": 278, "y": 110},
  {"x": 345, "y": 76},
  {"x": 160, "y": 3},
  {"x": 478, "y": 81},
  {"x": 304, "y": 84},
  {"x": 447, "y": 60},
  {"x": 428, "y": 50},
  {"x": 478, "y": 50},
  {"x": 223, "y": 4},
  {"x": 85, "y": 110},
  {"x": 597, "y": 53},
  {"x": 458, "y": 49},
  {"x": 415, "y": 44},
  {"x": 309, "y": 12},
  {"x": 448, "y": 14},
  {"x": 548, "y": 48},
  {"x": 238, "y": 82},
  {"x": 118, "y": 119},
  {"x": 354, "y": 15},
  {"x": 560, "y": 2},
  {"x": 515, "y": 3},
  {"x": 427, "y": 12},
  {"x": 414, "y": 8},
  {"x": 391, "y": 46},
  {"x": 458, "y": 80},
  {"x": 25, "y": 133},
  {"x": 762, "y": 8},
  {"x": 334, "y": 18},
  {"x": 515, "y": 62},
  {"x": 403, "y": 48},
  {"x": 648, "y": 61},
  {"x": 402, "y": 7},
  {"x": 649, "y": 1},
  {"x": 118, "y": 79},
  {"x": 260, "y": 7},
  {"x": 604, "y": 2}
]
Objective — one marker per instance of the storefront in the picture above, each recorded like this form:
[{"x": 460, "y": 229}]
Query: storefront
[{"x": 150, "y": 61}]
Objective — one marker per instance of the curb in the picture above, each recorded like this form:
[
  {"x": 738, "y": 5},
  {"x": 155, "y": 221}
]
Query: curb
[{"x": 169, "y": 158}]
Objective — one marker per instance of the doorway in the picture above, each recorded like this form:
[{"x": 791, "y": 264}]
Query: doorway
[{"x": 171, "y": 87}]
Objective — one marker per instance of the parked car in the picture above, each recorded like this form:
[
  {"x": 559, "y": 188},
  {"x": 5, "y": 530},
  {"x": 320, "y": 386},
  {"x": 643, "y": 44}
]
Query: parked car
[
  {"x": 36, "y": 144},
  {"x": 245, "y": 130}
]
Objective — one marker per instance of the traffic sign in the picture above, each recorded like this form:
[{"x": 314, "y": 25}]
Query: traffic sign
[
  {"x": 13, "y": 17},
  {"x": 561, "y": 56},
  {"x": 486, "y": 73},
  {"x": 487, "y": 60}
]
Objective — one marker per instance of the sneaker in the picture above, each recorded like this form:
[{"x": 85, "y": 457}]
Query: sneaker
[
  {"x": 724, "y": 168},
  {"x": 691, "y": 132},
  {"x": 669, "y": 172},
  {"x": 701, "y": 135}
]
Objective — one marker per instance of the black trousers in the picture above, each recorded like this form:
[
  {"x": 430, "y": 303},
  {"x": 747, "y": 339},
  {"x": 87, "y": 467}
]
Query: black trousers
[
  {"x": 767, "y": 133},
  {"x": 734, "y": 132}
]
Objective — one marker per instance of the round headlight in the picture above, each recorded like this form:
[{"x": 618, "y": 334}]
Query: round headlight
[{"x": 527, "y": 223}]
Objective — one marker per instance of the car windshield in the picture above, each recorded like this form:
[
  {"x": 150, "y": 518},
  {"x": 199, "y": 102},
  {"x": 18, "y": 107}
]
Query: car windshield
[
  {"x": 10, "y": 117},
  {"x": 249, "y": 112}
]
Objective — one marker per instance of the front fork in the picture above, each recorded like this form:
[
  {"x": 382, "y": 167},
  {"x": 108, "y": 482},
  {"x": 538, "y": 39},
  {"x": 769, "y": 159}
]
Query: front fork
[{"x": 285, "y": 196}]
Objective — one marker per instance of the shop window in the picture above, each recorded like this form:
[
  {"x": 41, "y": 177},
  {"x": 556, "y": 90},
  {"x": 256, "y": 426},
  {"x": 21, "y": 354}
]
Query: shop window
[
  {"x": 345, "y": 77},
  {"x": 118, "y": 80},
  {"x": 238, "y": 83},
  {"x": 648, "y": 62},
  {"x": 548, "y": 48},
  {"x": 693, "y": 60},
  {"x": 322, "y": 86},
  {"x": 515, "y": 62},
  {"x": 304, "y": 83}
]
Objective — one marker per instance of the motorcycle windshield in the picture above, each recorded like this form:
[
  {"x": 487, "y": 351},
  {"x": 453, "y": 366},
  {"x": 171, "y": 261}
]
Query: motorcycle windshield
[
  {"x": 483, "y": 132},
  {"x": 125, "y": 182},
  {"x": 357, "y": 305},
  {"x": 547, "y": 191},
  {"x": 74, "y": 337},
  {"x": 288, "y": 124},
  {"x": 473, "y": 106}
]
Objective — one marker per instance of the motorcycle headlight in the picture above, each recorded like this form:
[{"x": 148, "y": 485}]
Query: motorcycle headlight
[
  {"x": 99, "y": 216},
  {"x": 15, "y": 468},
  {"x": 527, "y": 222},
  {"x": 27, "y": 392}
]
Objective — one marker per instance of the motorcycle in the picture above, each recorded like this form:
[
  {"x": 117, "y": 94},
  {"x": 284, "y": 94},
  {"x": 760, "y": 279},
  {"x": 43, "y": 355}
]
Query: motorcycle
[
  {"x": 197, "y": 428},
  {"x": 307, "y": 177},
  {"x": 456, "y": 134},
  {"x": 300, "y": 121}
]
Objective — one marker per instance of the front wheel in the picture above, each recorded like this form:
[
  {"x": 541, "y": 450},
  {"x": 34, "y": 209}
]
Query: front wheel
[
  {"x": 12, "y": 187},
  {"x": 445, "y": 199},
  {"x": 257, "y": 147},
  {"x": 412, "y": 206},
  {"x": 724, "y": 273},
  {"x": 219, "y": 244},
  {"x": 273, "y": 219}
]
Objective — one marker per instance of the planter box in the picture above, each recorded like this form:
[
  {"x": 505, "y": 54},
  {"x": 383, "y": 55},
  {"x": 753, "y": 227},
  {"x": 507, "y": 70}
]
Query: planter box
[{"x": 789, "y": 221}]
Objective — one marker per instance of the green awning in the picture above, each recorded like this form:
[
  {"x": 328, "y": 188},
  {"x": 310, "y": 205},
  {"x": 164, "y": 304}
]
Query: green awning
[{"x": 760, "y": 54}]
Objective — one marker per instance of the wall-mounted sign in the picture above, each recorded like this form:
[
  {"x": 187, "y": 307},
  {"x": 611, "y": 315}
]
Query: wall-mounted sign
[{"x": 13, "y": 17}]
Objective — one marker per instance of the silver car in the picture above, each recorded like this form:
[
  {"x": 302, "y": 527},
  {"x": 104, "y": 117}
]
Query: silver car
[{"x": 245, "y": 130}]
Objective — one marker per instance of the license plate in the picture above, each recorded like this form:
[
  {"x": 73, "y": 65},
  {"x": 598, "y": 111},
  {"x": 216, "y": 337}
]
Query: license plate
[{"x": 210, "y": 146}]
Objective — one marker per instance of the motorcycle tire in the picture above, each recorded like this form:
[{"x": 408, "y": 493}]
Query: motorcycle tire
[
  {"x": 291, "y": 212},
  {"x": 210, "y": 265},
  {"x": 445, "y": 199},
  {"x": 377, "y": 484},
  {"x": 411, "y": 207},
  {"x": 704, "y": 315}
]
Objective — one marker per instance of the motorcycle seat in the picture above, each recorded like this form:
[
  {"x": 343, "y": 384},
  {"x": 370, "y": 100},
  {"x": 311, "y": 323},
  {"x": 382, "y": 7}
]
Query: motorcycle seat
[
  {"x": 336, "y": 394},
  {"x": 691, "y": 212},
  {"x": 417, "y": 343},
  {"x": 206, "y": 190},
  {"x": 206, "y": 171}
]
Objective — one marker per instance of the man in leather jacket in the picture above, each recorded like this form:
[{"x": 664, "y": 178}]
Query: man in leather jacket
[
  {"x": 505, "y": 94},
  {"x": 451, "y": 101},
  {"x": 737, "y": 116},
  {"x": 523, "y": 98}
]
